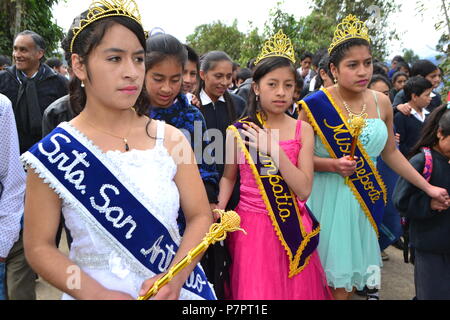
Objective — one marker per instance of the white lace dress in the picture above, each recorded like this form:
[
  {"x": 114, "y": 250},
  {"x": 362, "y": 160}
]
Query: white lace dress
[{"x": 151, "y": 173}]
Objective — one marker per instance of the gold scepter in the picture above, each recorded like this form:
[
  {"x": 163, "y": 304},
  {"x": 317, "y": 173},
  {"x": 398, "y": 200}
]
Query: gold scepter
[
  {"x": 229, "y": 222},
  {"x": 356, "y": 125}
]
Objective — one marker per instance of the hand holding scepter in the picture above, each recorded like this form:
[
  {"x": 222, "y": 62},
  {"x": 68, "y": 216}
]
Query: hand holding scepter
[
  {"x": 230, "y": 222},
  {"x": 356, "y": 125}
]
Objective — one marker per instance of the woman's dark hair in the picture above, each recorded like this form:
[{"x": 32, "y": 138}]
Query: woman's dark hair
[
  {"x": 324, "y": 65},
  {"x": 306, "y": 55},
  {"x": 54, "y": 63},
  {"x": 378, "y": 69},
  {"x": 398, "y": 59},
  {"x": 4, "y": 61},
  {"x": 263, "y": 68},
  {"x": 423, "y": 68},
  {"x": 397, "y": 75},
  {"x": 244, "y": 74},
  {"x": 193, "y": 56},
  {"x": 339, "y": 52},
  {"x": 403, "y": 65},
  {"x": 318, "y": 56},
  {"x": 439, "y": 119},
  {"x": 86, "y": 41},
  {"x": 163, "y": 46},
  {"x": 208, "y": 62},
  {"x": 377, "y": 78},
  {"x": 251, "y": 63}
]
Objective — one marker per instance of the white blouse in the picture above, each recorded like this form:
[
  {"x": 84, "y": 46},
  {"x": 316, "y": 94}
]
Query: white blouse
[{"x": 12, "y": 179}]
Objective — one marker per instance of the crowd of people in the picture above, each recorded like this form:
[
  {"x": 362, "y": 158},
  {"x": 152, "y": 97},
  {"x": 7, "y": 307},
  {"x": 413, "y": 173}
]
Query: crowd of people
[{"x": 134, "y": 147}]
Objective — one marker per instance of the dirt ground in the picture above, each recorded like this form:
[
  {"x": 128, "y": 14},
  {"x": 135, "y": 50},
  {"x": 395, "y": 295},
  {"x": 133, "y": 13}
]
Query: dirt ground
[{"x": 397, "y": 279}]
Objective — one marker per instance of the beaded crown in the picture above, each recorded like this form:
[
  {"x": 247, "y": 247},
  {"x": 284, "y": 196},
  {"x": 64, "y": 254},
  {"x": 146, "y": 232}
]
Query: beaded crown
[
  {"x": 100, "y": 9},
  {"x": 350, "y": 28},
  {"x": 277, "y": 46}
]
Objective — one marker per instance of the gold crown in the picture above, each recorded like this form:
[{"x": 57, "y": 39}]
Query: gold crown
[
  {"x": 107, "y": 8},
  {"x": 277, "y": 46},
  {"x": 350, "y": 28}
]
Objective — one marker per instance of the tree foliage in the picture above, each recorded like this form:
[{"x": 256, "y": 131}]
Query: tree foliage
[
  {"x": 35, "y": 15},
  {"x": 308, "y": 34},
  {"x": 375, "y": 12},
  {"x": 441, "y": 13},
  {"x": 217, "y": 36},
  {"x": 410, "y": 56}
]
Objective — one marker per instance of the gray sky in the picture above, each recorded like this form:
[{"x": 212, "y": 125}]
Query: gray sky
[{"x": 180, "y": 17}]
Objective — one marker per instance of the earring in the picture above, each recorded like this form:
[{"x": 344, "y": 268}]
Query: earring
[
  {"x": 257, "y": 98},
  {"x": 82, "y": 84}
]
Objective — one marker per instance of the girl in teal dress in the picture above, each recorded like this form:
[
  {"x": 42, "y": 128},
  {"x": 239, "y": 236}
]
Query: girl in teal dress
[{"x": 348, "y": 246}]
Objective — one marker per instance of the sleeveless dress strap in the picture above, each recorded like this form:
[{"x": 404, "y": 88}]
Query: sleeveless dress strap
[
  {"x": 376, "y": 103},
  {"x": 160, "y": 130},
  {"x": 298, "y": 130}
]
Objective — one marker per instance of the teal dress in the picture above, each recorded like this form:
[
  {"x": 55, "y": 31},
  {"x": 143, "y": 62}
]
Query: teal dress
[{"x": 348, "y": 246}]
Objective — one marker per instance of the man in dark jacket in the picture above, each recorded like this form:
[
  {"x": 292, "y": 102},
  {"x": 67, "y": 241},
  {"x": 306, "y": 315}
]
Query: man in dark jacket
[{"x": 31, "y": 86}]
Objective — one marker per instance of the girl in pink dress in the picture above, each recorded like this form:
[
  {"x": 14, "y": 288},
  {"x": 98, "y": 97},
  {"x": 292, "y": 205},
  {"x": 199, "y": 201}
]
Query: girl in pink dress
[{"x": 277, "y": 259}]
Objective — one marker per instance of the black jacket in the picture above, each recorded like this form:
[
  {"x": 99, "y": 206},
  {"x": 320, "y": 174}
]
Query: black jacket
[
  {"x": 429, "y": 230},
  {"x": 217, "y": 117},
  {"x": 400, "y": 98},
  {"x": 59, "y": 111},
  {"x": 409, "y": 128},
  {"x": 50, "y": 87}
]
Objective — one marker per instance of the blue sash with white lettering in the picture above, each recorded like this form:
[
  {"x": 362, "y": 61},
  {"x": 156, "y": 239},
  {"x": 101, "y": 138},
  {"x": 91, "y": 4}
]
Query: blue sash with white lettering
[
  {"x": 110, "y": 205},
  {"x": 330, "y": 125}
]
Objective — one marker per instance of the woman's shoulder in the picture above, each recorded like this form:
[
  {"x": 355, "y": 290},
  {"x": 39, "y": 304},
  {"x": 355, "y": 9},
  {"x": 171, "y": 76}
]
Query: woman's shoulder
[
  {"x": 172, "y": 135},
  {"x": 381, "y": 97},
  {"x": 304, "y": 129},
  {"x": 382, "y": 101}
]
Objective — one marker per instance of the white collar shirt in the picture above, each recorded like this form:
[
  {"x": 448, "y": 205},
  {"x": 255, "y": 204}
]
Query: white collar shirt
[
  {"x": 418, "y": 116},
  {"x": 207, "y": 100}
]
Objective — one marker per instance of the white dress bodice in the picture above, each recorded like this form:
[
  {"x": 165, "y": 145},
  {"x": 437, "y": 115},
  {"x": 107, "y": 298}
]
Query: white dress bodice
[{"x": 152, "y": 173}]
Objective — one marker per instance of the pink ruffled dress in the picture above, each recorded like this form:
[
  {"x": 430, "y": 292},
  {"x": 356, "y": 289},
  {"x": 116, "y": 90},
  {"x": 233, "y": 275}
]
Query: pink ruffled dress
[{"x": 260, "y": 265}]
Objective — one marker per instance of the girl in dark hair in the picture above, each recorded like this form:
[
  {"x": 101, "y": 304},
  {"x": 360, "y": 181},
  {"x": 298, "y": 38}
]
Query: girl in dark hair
[
  {"x": 325, "y": 77},
  {"x": 191, "y": 73},
  {"x": 381, "y": 84},
  {"x": 269, "y": 251},
  {"x": 116, "y": 175},
  {"x": 398, "y": 82},
  {"x": 403, "y": 67},
  {"x": 165, "y": 61},
  {"x": 429, "y": 71},
  {"x": 429, "y": 220},
  {"x": 348, "y": 195}
]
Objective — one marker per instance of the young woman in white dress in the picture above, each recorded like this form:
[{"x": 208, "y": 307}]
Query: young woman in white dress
[{"x": 144, "y": 155}]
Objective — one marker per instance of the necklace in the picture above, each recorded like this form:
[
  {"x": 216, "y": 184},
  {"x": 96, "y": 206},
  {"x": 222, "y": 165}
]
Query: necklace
[
  {"x": 349, "y": 110},
  {"x": 124, "y": 139}
]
